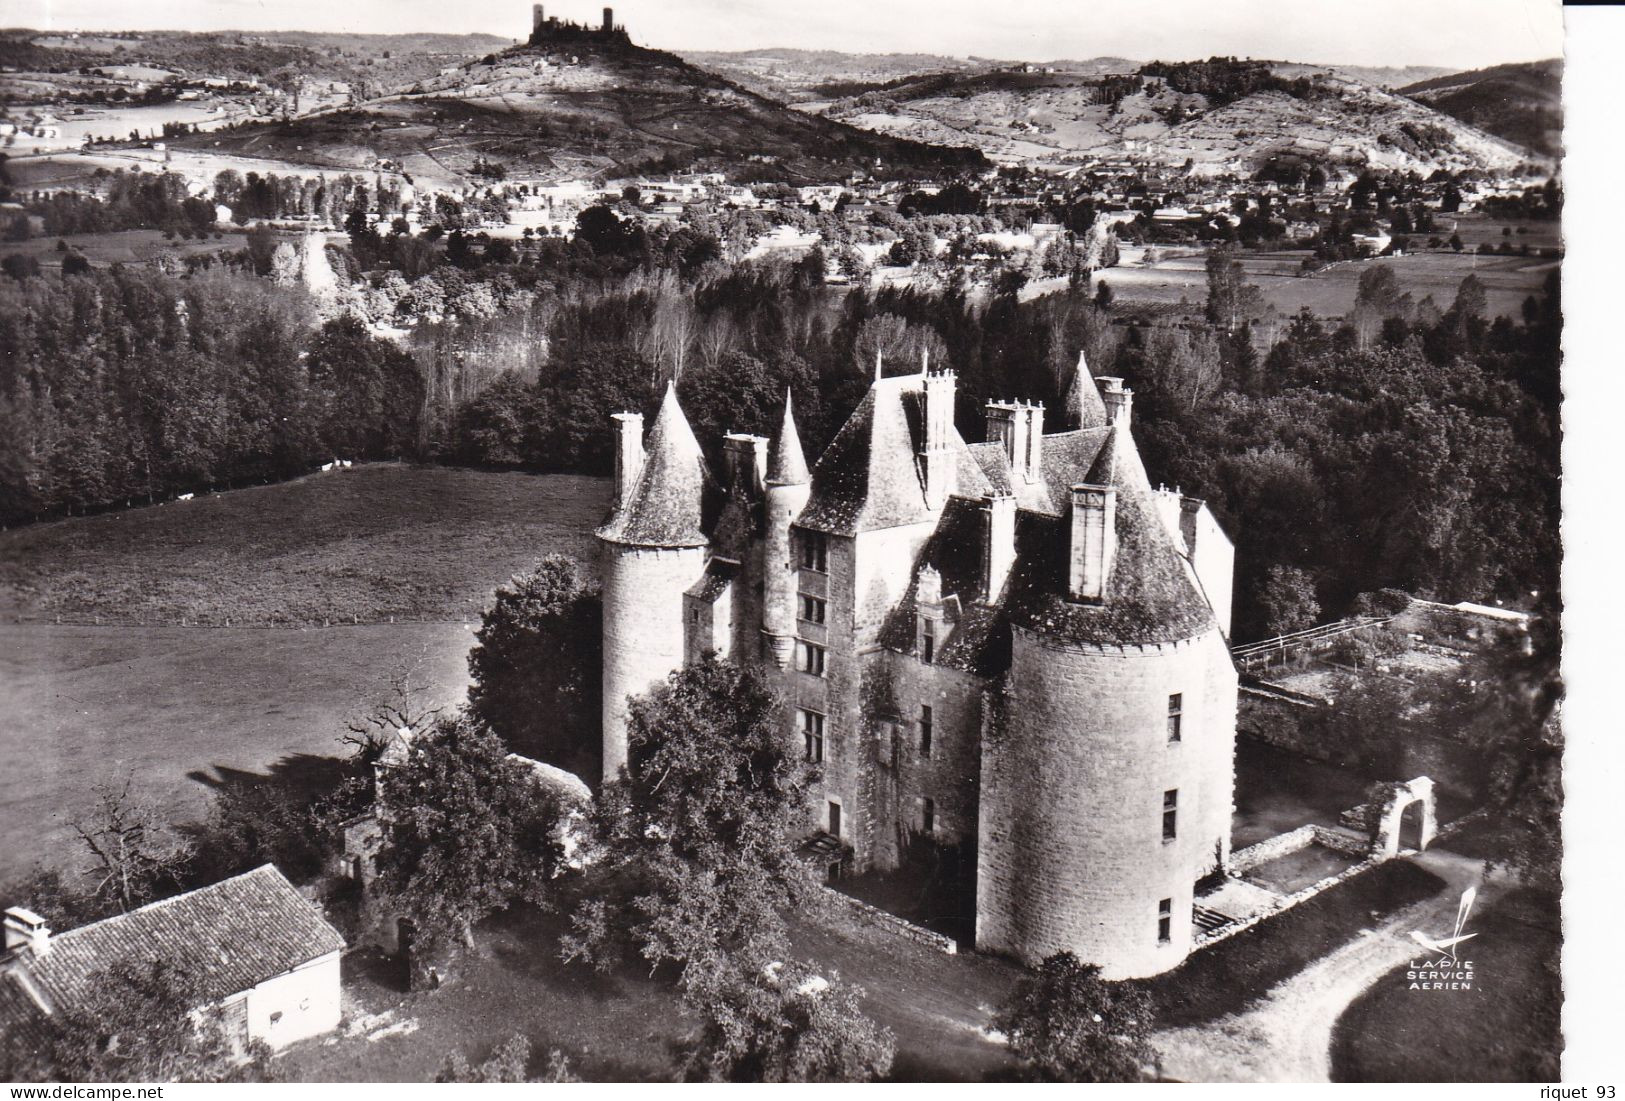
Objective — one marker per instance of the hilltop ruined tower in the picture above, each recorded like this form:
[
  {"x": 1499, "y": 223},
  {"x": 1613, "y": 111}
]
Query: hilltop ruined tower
[{"x": 1014, "y": 646}]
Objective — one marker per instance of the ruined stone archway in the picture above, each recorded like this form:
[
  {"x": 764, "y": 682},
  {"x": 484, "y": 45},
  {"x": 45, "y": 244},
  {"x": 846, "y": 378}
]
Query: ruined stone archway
[{"x": 1391, "y": 817}]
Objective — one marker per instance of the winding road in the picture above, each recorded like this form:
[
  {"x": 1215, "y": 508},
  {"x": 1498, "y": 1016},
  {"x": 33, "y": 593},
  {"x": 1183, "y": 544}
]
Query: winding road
[{"x": 1287, "y": 1035}]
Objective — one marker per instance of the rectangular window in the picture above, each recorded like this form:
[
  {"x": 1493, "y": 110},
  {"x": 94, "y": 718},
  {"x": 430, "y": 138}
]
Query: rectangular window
[
  {"x": 1170, "y": 814},
  {"x": 928, "y": 817},
  {"x": 1176, "y": 712},
  {"x": 813, "y": 609},
  {"x": 1165, "y": 921},
  {"x": 815, "y": 551},
  {"x": 810, "y": 657},
  {"x": 928, "y": 640},
  {"x": 835, "y": 818},
  {"x": 812, "y": 733},
  {"x": 926, "y": 730}
]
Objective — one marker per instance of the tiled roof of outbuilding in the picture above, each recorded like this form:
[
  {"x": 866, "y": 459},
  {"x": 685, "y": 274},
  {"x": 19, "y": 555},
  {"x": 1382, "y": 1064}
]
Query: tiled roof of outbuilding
[
  {"x": 237, "y": 933},
  {"x": 21, "y": 1015},
  {"x": 670, "y": 504}
]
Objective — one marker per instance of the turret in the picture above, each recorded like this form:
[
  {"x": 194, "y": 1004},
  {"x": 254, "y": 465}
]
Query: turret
[
  {"x": 655, "y": 544},
  {"x": 788, "y": 486}
]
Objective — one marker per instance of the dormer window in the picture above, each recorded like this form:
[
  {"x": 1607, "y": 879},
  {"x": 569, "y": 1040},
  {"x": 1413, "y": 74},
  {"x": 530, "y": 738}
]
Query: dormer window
[{"x": 928, "y": 640}]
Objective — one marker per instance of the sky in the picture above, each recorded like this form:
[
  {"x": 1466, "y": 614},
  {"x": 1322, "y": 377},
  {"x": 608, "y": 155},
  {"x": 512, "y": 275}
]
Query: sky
[{"x": 1458, "y": 34}]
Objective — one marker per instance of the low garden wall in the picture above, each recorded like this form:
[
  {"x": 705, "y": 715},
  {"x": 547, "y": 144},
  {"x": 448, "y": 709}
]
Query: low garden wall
[{"x": 876, "y": 918}]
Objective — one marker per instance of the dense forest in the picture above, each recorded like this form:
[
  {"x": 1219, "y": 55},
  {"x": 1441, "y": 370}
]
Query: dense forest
[{"x": 1413, "y": 447}]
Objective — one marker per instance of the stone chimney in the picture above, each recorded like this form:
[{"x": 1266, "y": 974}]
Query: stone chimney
[
  {"x": 1093, "y": 547},
  {"x": 1119, "y": 400},
  {"x": 628, "y": 454},
  {"x": 1019, "y": 428},
  {"x": 940, "y": 462},
  {"x": 746, "y": 459},
  {"x": 26, "y": 929},
  {"x": 998, "y": 543}
]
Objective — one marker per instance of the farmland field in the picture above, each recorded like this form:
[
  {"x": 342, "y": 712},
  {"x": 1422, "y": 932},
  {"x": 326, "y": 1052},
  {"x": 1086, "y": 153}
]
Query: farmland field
[
  {"x": 178, "y": 706},
  {"x": 1508, "y": 280}
]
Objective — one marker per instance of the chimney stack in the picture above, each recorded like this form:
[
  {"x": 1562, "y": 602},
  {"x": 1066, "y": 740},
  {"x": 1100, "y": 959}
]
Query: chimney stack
[
  {"x": 26, "y": 929},
  {"x": 628, "y": 454},
  {"x": 1093, "y": 543},
  {"x": 998, "y": 543},
  {"x": 1019, "y": 427},
  {"x": 941, "y": 464},
  {"x": 1119, "y": 400},
  {"x": 746, "y": 458}
]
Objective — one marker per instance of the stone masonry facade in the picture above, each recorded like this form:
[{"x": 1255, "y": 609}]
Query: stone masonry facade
[{"x": 1015, "y": 646}]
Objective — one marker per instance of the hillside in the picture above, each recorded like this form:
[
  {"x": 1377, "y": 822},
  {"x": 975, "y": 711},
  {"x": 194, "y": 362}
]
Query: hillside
[
  {"x": 1392, "y": 77},
  {"x": 1059, "y": 119},
  {"x": 382, "y": 60},
  {"x": 579, "y": 108},
  {"x": 798, "y": 76},
  {"x": 1522, "y": 103}
]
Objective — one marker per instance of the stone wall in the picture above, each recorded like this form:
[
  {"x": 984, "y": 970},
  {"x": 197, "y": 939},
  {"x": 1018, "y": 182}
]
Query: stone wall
[
  {"x": 1071, "y": 853},
  {"x": 643, "y": 629},
  {"x": 891, "y": 924}
]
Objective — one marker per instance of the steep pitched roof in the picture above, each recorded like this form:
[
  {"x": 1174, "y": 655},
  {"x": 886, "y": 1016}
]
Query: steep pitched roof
[
  {"x": 1083, "y": 401},
  {"x": 870, "y": 477},
  {"x": 1151, "y": 597},
  {"x": 236, "y": 934},
  {"x": 786, "y": 464},
  {"x": 670, "y": 504},
  {"x": 23, "y": 1017}
]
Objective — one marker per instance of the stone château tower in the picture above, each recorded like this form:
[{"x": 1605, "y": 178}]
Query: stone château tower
[{"x": 1016, "y": 646}]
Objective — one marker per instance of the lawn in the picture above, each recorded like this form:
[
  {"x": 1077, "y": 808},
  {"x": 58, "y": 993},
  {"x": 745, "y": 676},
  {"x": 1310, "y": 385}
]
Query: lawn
[
  {"x": 178, "y": 706},
  {"x": 624, "y": 1026},
  {"x": 370, "y": 544},
  {"x": 1506, "y": 1028}
]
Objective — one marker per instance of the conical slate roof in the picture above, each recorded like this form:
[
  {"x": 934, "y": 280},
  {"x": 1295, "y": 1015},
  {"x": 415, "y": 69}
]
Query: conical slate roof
[
  {"x": 667, "y": 506},
  {"x": 1083, "y": 401},
  {"x": 786, "y": 464}
]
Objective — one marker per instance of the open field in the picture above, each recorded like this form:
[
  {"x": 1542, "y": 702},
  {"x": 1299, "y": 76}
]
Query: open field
[
  {"x": 1504, "y": 1029},
  {"x": 362, "y": 545},
  {"x": 129, "y": 246},
  {"x": 82, "y": 703},
  {"x": 1508, "y": 280},
  {"x": 173, "y": 707}
]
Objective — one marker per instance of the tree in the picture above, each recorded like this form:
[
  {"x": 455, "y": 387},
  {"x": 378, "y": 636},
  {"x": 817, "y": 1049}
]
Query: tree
[
  {"x": 468, "y": 830},
  {"x": 1231, "y": 300},
  {"x": 700, "y": 832},
  {"x": 134, "y": 852},
  {"x": 1066, "y": 1025},
  {"x": 1104, "y": 295},
  {"x": 150, "y": 1021},
  {"x": 788, "y": 1024},
  {"x": 535, "y": 666},
  {"x": 1287, "y": 601},
  {"x": 510, "y": 1062}
]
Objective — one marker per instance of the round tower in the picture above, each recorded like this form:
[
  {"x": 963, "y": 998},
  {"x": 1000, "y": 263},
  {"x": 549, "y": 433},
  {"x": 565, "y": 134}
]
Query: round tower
[
  {"x": 654, "y": 548},
  {"x": 1107, "y": 771},
  {"x": 788, "y": 486}
]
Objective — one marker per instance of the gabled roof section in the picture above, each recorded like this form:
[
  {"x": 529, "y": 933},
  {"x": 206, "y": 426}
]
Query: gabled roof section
[
  {"x": 786, "y": 464},
  {"x": 670, "y": 504},
  {"x": 235, "y": 934},
  {"x": 870, "y": 475}
]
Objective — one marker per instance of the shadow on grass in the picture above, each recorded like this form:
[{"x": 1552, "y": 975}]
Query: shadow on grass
[
  {"x": 1228, "y": 976},
  {"x": 1505, "y": 1028}
]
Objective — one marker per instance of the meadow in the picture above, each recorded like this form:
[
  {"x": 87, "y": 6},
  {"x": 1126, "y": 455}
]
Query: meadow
[
  {"x": 179, "y": 708},
  {"x": 1507, "y": 280}
]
